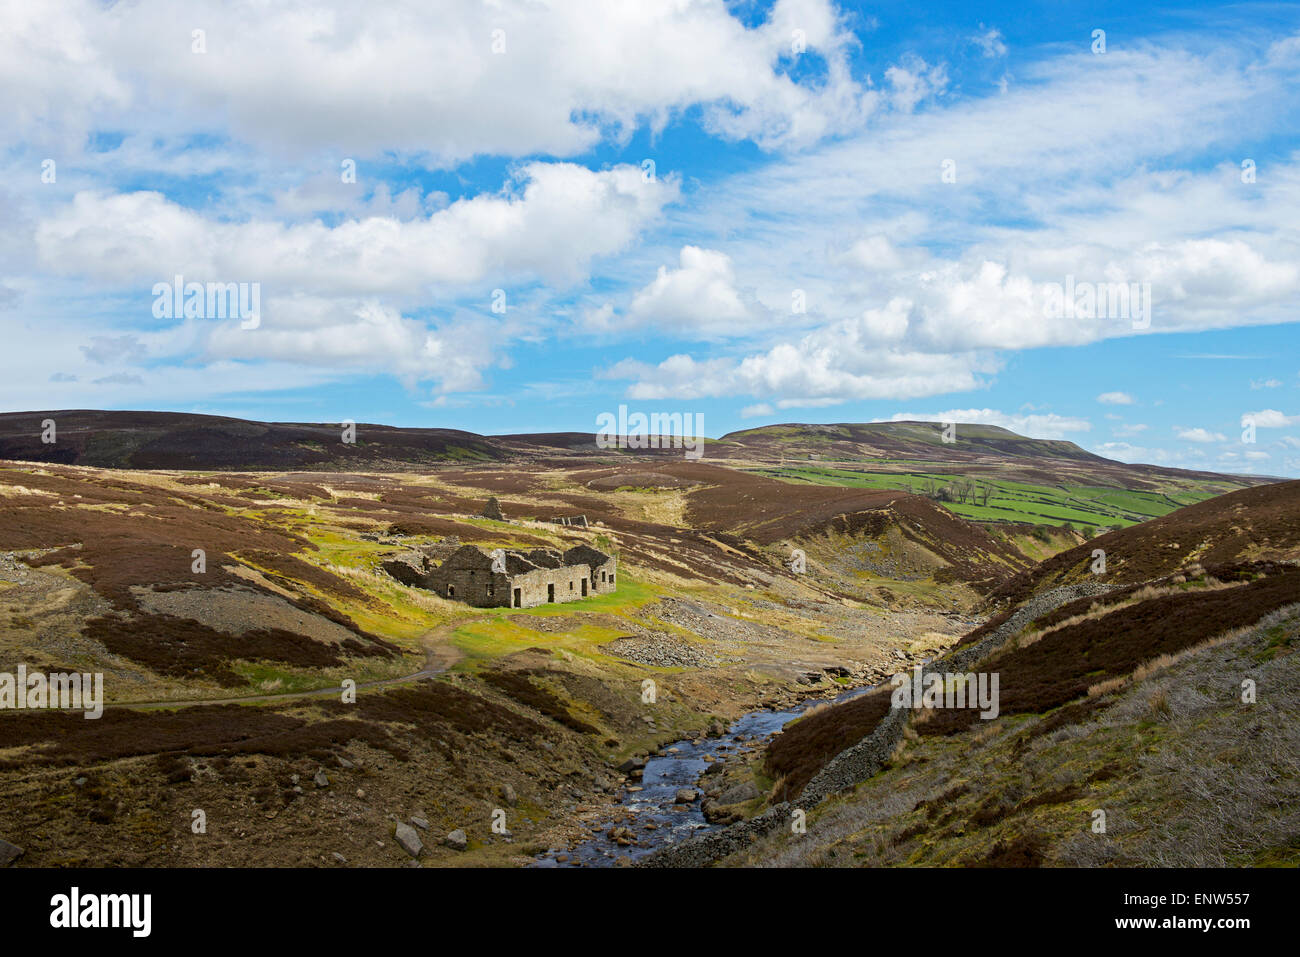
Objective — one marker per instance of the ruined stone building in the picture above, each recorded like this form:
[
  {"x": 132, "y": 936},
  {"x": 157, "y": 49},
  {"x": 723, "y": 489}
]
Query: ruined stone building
[{"x": 517, "y": 579}]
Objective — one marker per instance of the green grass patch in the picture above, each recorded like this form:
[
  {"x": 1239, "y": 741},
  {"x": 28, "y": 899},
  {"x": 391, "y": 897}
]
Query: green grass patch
[{"x": 1013, "y": 501}]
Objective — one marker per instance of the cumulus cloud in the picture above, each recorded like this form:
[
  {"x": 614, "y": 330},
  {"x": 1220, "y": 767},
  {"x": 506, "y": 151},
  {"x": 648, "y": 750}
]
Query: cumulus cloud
[
  {"x": 1200, "y": 435},
  {"x": 358, "y": 336},
  {"x": 1269, "y": 419},
  {"x": 553, "y": 221},
  {"x": 698, "y": 297},
  {"x": 1115, "y": 398},
  {"x": 1212, "y": 254},
  {"x": 916, "y": 287},
  {"x": 850, "y": 359},
  {"x": 452, "y": 80}
]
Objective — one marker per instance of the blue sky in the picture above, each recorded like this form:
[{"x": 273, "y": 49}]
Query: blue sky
[{"x": 854, "y": 212}]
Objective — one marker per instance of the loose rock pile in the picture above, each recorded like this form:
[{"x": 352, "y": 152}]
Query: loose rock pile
[{"x": 659, "y": 650}]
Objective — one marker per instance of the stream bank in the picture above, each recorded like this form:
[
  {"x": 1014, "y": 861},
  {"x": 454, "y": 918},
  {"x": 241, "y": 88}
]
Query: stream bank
[{"x": 654, "y": 812}]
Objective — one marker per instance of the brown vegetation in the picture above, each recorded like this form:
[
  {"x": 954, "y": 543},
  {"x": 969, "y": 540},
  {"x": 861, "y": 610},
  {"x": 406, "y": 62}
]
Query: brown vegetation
[
  {"x": 1063, "y": 664},
  {"x": 797, "y": 754},
  {"x": 1254, "y": 524}
]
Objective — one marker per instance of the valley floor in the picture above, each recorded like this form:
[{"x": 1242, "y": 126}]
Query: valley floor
[{"x": 227, "y": 740}]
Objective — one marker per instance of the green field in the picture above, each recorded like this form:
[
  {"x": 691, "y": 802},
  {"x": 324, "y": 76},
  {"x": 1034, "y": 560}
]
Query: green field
[{"x": 1012, "y": 501}]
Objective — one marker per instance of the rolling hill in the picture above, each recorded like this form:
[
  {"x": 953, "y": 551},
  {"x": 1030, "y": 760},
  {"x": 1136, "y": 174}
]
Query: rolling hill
[
  {"x": 895, "y": 440},
  {"x": 965, "y": 510},
  {"x": 174, "y": 440},
  {"x": 134, "y": 439},
  {"x": 1249, "y": 525}
]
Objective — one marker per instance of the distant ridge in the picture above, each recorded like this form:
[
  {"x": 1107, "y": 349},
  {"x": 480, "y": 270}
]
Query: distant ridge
[
  {"x": 975, "y": 448},
  {"x": 177, "y": 440},
  {"x": 919, "y": 437},
  {"x": 182, "y": 440}
]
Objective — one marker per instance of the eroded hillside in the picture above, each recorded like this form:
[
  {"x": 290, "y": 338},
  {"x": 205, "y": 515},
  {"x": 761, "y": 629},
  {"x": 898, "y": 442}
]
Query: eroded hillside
[{"x": 1178, "y": 660}]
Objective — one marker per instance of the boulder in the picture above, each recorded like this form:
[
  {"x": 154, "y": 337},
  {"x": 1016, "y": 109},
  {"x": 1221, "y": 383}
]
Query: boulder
[
  {"x": 456, "y": 840},
  {"x": 739, "y": 794},
  {"x": 408, "y": 840},
  {"x": 718, "y": 814},
  {"x": 9, "y": 853},
  {"x": 686, "y": 796}
]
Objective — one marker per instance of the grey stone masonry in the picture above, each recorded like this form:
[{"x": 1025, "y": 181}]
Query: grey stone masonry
[{"x": 514, "y": 579}]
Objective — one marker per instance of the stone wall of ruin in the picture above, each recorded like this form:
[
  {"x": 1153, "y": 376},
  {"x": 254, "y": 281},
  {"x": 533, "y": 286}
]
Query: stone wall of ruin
[{"x": 482, "y": 588}]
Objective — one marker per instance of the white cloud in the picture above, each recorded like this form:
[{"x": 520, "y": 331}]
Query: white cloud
[
  {"x": 990, "y": 42},
  {"x": 697, "y": 298},
  {"x": 1133, "y": 454},
  {"x": 1200, "y": 435},
  {"x": 1215, "y": 255},
  {"x": 915, "y": 286},
  {"x": 1115, "y": 398},
  {"x": 1048, "y": 426},
  {"x": 1265, "y": 383},
  {"x": 358, "y": 336},
  {"x": 1269, "y": 419},
  {"x": 1135, "y": 428},
  {"x": 434, "y": 78},
  {"x": 599, "y": 318},
  {"x": 876, "y": 254},
  {"x": 850, "y": 359},
  {"x": 914, "y": 81},
  {"x": 555, "y": 221},
  {"x": 754, "y": 411}
]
